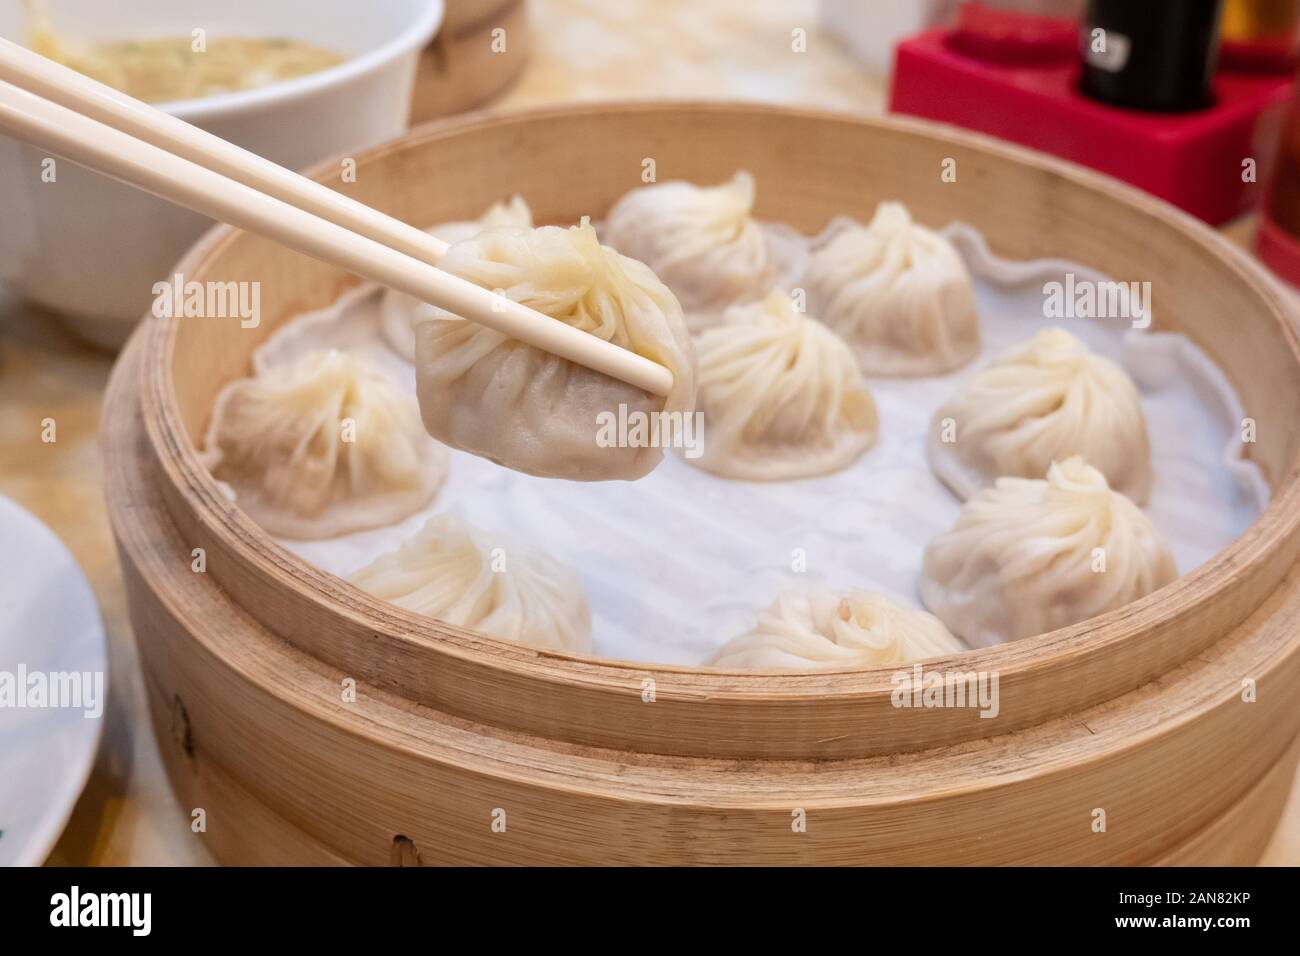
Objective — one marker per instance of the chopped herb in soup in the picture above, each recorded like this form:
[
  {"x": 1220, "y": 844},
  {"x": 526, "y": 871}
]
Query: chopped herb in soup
[{"x": 168, "y": 69}]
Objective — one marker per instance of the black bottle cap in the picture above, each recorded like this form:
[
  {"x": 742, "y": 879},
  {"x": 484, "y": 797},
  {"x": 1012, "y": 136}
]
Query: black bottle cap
[{"x": 1156, "y": 55}]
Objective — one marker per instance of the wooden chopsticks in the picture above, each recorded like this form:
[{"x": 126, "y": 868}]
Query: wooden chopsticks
[{"x": 93, "y": 125}]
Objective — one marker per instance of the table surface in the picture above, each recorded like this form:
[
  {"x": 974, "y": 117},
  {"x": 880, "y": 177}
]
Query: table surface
[{"x": 582, "y": 50}]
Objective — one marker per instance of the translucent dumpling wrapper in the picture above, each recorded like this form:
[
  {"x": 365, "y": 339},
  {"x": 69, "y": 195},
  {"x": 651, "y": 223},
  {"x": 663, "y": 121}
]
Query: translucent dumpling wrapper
[
  {"x": 782, "y": 395},
  {"x": 323, "y": 447},
  {"x": 460, "y": 575},
  {"x": 521, "y": 407},
  {"x": 817, "y": 628},
  {"x": 1029, "y": 555},
  {"x": 700, "y": 240},
  {"x": 400, "y": 313},
  {"x": 1045, "y": 400},
  {"x": 898, "y": 293}
]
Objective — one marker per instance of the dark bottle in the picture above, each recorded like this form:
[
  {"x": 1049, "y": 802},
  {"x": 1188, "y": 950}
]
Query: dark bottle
[{"x": 1156, "y": 55}]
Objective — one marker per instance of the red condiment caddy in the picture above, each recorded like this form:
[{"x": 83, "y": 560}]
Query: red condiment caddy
[{"x": 1016, "y": 76}]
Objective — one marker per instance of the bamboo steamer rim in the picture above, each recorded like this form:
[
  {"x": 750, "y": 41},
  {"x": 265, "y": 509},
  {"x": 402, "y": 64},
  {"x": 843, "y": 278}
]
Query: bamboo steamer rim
[
  {"x": 1252, "y": 565},
  {"x": 1189, "y": 723}
]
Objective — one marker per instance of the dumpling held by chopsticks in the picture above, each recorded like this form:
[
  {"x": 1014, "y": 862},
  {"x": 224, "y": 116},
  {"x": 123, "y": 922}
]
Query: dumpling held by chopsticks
[
  {"x": 401, "y": 312},
  {"x": 494, "y": 396}
]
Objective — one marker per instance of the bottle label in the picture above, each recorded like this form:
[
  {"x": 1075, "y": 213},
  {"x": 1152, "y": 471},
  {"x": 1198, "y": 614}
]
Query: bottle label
[{"x": 1107, "y": 50}]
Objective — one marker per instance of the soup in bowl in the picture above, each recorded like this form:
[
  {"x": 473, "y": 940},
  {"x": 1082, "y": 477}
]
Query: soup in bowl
[{"x": 92, "y": 249}]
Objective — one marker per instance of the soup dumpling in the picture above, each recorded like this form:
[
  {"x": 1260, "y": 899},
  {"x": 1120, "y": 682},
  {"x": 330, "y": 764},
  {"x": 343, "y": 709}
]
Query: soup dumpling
[
  {"x": 898, "y": 293},
  {"x": 1043, "y": 401},
  {"x": 816, "y": 627},
  {"x": 700, "y": 240},
  {"x": 323, "y": 447},
  {"x": 452, "y": 571},
  {"x": 782, "y": 395},
  {"x": 399, "y": 313},
  {"x": 526, "y": 409},
  {"x": 1030, "y": 555}
]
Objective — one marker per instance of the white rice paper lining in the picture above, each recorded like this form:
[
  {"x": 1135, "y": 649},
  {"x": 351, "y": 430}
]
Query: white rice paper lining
[{"x": 679, "y": 562}]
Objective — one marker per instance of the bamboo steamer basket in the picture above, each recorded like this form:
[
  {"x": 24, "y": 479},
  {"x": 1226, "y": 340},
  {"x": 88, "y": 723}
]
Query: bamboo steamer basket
[
  {"x": 460, "y": 748},
  {"x": 463, "y": 67}
]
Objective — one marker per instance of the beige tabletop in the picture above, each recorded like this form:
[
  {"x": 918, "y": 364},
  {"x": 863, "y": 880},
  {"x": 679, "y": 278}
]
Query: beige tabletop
[{"x": 581, "y": 50}]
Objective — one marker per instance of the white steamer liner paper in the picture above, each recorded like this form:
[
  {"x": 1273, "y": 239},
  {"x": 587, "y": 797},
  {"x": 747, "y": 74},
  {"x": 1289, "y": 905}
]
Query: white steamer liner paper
[{"x": 679, "y": 562}]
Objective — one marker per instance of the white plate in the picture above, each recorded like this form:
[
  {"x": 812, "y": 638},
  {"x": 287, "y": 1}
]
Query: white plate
[{"x": 49, "y": 624}]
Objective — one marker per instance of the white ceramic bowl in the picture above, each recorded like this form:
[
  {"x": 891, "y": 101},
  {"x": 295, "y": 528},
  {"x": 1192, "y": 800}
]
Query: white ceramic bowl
[{"x": 90, "y": 248}]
